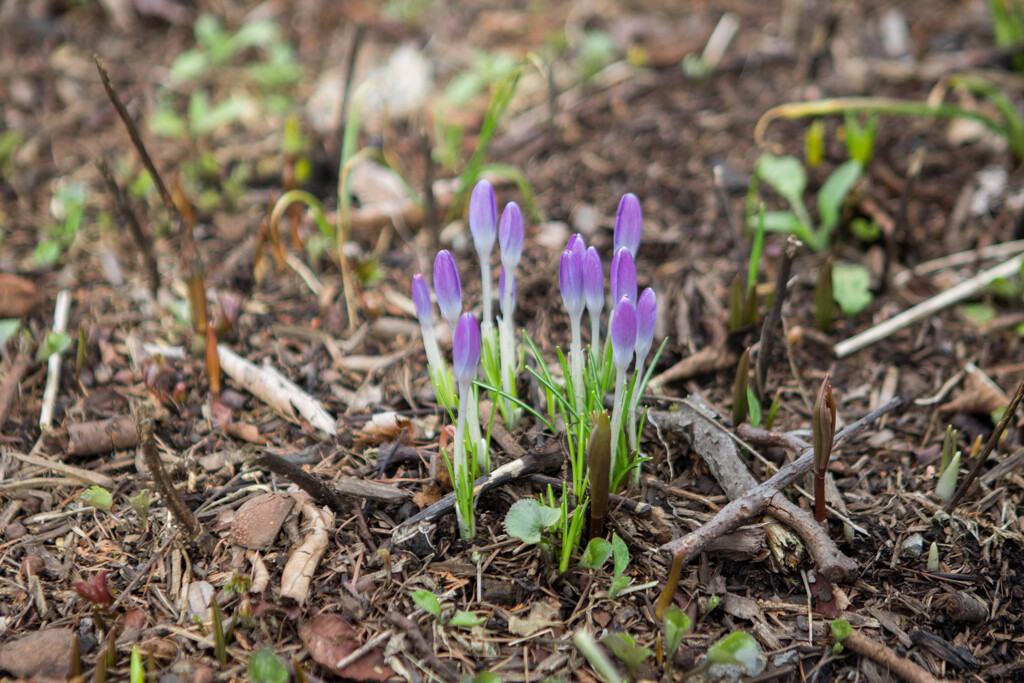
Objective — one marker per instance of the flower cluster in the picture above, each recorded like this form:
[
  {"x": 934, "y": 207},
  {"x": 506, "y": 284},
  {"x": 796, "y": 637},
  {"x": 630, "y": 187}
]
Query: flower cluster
[{"x": 581, "y": 280}]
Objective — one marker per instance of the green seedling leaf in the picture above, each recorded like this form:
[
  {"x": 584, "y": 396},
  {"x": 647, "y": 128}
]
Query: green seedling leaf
[
  {"x": 840, "y": 630},
  {"x": 165, "y": 123},
  {"x": 785, "y": 175},
  {"x": 136, "y": 673},
  {"x": 753, "y": 408},
  {"x": 738, "y": 648},
  {"x": 814, "y": 143},
  {"x": 860, "y": 140},
  {"x": 597, "y": 49},
  {"x": 946, "y": 486},
  {"x": 140, "y": 501},
  {"x": 463, "y": 619},
  {"x": 933, "y": 557},
  {"x": 427, "y": 602},
  {"x": 833, "y": 194},
  {"x": 464, "y": 87},
  {"x": 851, "y": 287},
  {"x": 47, "y": 252},
  {"x": 188, "y": 65},
  {"x": 978, "y": 314},
  {"x": 865, "y": 230},
  {"x": 824, "y": 300},
  {"x": 527, "y": 518},
  {"x": 626, "y": 650},
  {"x": 596, "y": 553},
  {"x": 8, "y": 328},
  {"x": 98, "y": 497},
  {"x": 676, "y": 624},
  {"x": 482, "y": 677},
  {"x": 54, "y": 342},
  {"x": 265, "y": 667},
  {"x": 621, "y": 555}
]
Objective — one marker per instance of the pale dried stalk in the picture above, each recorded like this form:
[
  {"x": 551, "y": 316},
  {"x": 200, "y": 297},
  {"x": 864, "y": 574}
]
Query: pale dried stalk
[
  {"x": 276, "y": 390},
  {"x": 298, "y": 571},
  {"x": 60, "y": 325}
]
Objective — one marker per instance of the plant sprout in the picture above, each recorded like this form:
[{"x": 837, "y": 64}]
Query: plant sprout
[
  {"x": 465, "y": 359},
  {"x": 823, "y": 429}
]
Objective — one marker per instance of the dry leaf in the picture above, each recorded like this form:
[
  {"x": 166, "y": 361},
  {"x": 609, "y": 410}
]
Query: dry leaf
[
  {"x": 329, "y": 639},
  {"x": 257, "y": 522},
  {"x": 384, "y": 427},
  {"x": 18, "y": 296},
  {"x": 427, "y": 496},
  {"x": 542, "y": 615},
  {"x": 43, "y": 654},
  {"x": 298, "y": 571},
  {"x": 980, "y": 396}
]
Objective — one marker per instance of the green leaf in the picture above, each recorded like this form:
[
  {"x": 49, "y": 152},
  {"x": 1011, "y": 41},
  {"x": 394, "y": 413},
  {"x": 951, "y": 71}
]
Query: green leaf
[
  {"x": 785, "y": 175},
  {"x": 676, "y": 623},
  {"x": 136, "y": 672},
  {"x": 98, "y": 497},
  {"x": 865, "y": 230},
  {"x": 427, "y": 602},
  {"x": 166, "y": 123},
  {"x": 47, "y": 252},
  {"x": 464, "y": 619},
  {"x": 784, "y": 222},
  {"x": 628, "y": 652},
  {"x": 482, "y": 677},
  {"x": 265, "y": 667},
  {"x": 189, "y": 65},
  {"x": 54, "y": 342},
  {"x": 527, "y": 518},
  {"x": 833, "y": 193},
  {"x": 754, "y": 408},
  {"x": 596, "y": 553},
  {"x": 8, "y": 328},
  {"x": 618, "y": 584},
  {"x": 208, "y": 31},
  {"x": 463, "y": 88},
  {"x": 738, "y": 648},
  {"x": 978, "y": 314},
  {"x": 140, "y": 501},
  {"x": 851, "y": 287},
  {"x": 621, "y": 554},
  {"x": 840, "y": 630}
]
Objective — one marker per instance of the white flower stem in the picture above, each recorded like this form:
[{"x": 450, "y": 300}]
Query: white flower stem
[
  {"x": 464, "y": 511},
  {"x": 485, "y": 277},
  {"x": 507, "y": 367},
  {"x": 576, "y": 366},
  {"x": 595, "y": 335},
  {"x": 620, "y": 382}
]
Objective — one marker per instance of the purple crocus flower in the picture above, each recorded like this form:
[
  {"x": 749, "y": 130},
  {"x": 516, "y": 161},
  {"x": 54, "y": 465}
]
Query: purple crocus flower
[
  {"x": 629, "y": 223},
  {"x": 623, "y": 275},
  {"x": 483, "y": 218},
  {"x": 447, "y": 287},
  {"x": 623, "y": 332},
  {"x": 466, "y": 349},
  {"x": 421, "y": 298},
  {"x": 646, "y": 319},
  {"x": 579, "y": 250},
  {"x": 501, "y": 293},
  {"x": 510, "y": 236},
  {"x": 593, "y": 282},
  {"x": 570, "y": 282}
]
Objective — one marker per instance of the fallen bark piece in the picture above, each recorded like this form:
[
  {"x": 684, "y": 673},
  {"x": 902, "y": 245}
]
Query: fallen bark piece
[
  {"x": 298, "y": 571},
  {"x": 276, "y": 390},
  {"x": 258, "y": 520},
  {"x": 887, "y": 657},
  {"x": 43, "y": 654},
  {"x": 102, "y": 436},
  {"x": 18, "y": 296},
  {"x": 330, "y": 641}
]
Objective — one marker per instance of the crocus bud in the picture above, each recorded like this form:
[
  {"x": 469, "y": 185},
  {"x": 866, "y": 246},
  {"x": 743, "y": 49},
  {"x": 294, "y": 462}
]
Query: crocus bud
[
  {"x": 570, "y": 282},
  {"x": 421, "y": 298},
  {"x": 501, "y": 293},
  {"x": 823, "y": 426},
  {"x": 593, "y": 281},
  {"x": 629, "y": 224},
  {"x": 447, "y": 287},
  {"x": 623, "y": 275},
  {"x": 646, "y": 319},
  {"x": 623, "y": 332},
  {"x": 483, "y": 218},
  {"x": 466, "y": 349},
  {"x": 510, "y": 235}
]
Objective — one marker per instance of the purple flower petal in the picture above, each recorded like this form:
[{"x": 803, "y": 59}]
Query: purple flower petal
[
  {"x": 466, "y": 349},
  {"x": 623, "y": 275},
  {"x": 593, "y": 281},
  {"x": 501, "y": 293},
  {"x": 629, "y": 223},
  {"x": 447, "y": 287},
  {"x": 421, "y": 298},
  {"x": 623, "y": 332},
  {"x": 483, "y": 218},
  {"x": 570, "y": 282},
  {"x": 646, "y": 319},
  {"x": 510, "y": 235},
  {"x": 579, "y": 250}
]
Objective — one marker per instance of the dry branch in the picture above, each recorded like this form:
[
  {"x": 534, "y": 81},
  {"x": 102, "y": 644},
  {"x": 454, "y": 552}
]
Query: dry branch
[
  {"x": 887, "y": 657},
  {"x": 757, "y": 499},
  {"x": 102, "y": 436}
]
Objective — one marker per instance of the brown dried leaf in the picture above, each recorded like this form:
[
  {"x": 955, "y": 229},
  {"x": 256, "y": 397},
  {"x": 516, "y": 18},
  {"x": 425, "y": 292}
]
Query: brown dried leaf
[
  {"x": 18, "y": 296},
  {"x": 427, "y": 496},
  {"x": 980, "y": 396},
  {"x": 542, "y": 615},
  {"x": 258, "y": 521},
  {"x": 43, "y": 654},
  {"x": 329, "y": 639}
]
